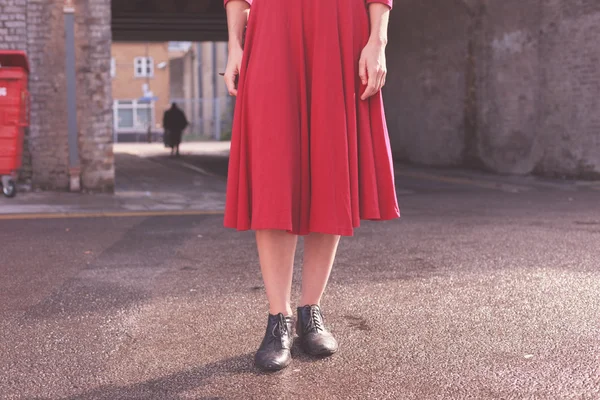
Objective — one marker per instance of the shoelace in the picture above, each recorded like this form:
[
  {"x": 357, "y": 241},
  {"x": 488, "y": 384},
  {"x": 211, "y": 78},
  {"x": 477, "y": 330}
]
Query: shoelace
[
  {"x": 281, "y": 327},
  {"x": 315, "y": 322}
]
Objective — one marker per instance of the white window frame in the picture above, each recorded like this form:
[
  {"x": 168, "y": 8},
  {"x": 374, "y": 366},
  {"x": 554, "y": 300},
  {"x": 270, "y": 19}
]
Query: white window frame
[
  {"x": 113, "y": 67},
  {"x": 143, "y": 67},
  {"x": 137, "y": 107}
]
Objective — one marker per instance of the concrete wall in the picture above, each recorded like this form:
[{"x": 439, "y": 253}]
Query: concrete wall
[
  {"x": 508, "y": 86},
  {"x": 570, "y": 88},
  {"x": 426, "y": 85},
  {"x": 37, "y": 26}
]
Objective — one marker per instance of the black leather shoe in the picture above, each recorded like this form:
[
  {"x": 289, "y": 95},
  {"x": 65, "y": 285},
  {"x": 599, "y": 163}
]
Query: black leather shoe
[
  {"x": 314, "y": 337},
  {"x": 274, "y": 352}
]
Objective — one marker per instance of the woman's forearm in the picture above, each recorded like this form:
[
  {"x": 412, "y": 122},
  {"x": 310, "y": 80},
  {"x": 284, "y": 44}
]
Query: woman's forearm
[
  {"x": 237, "y": 17},
  {"x": 380, "y": 17}
]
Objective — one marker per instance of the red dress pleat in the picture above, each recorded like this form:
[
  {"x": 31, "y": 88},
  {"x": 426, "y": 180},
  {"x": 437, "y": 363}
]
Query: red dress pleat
[{"x": 307, "y": 155}]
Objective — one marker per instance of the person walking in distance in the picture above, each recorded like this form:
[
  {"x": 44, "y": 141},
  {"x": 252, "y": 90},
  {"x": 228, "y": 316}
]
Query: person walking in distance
[
  {"x": 310, "y": 153},
  {"x": 174, "y": 122}
]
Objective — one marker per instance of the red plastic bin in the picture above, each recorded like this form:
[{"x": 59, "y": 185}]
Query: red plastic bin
[{"x": 14, "y": 113}]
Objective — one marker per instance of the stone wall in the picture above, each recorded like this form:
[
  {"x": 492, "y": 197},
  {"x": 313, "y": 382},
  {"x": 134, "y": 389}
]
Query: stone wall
[
  {"x": 37, "y": 26},
  {"x": 13, "y": 36},
  {"x": 94, "y": 98},
  {"x": 426, "y": 87},
  {"x": 569, "y": 113},
  {"x": 508, "y": 86},
  {"x": 13, "y": 27},
  {"x": 48, "y": 131}
]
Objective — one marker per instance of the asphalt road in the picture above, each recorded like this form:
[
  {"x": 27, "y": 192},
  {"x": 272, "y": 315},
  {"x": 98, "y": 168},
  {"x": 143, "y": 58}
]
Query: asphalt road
[{"x": 478, "y": 292}]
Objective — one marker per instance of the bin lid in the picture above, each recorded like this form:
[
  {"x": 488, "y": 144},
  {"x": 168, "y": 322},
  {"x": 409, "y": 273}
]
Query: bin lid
[{"x": 14, "y": 58}]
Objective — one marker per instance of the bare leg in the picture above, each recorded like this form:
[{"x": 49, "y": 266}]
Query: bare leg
[
  {"x": 276, "y": 250},
  {"x": 319, "y": 254}
]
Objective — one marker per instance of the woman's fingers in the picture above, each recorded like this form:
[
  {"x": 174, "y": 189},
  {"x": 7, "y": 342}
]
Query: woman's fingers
[
  {"x": 372, "y": 62},
  {"x": 362, "y": 70},
  {"x": 371, "y": 82},
  {"x": 371, "y": 87},
  {"x": 375, "y": 81},
  {"x": 381, "y": 79},
  {"x": 230, "y": 82},
  {"x": 233, "y": 70}
]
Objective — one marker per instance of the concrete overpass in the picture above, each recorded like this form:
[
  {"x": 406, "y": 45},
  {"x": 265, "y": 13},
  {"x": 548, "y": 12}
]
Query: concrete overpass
[
  {"x": 157, "y": 20},
  {"x": 510, "y": 87}
]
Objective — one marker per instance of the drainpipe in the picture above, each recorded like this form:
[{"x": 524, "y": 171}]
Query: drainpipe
[{"x": 74, "y": 164}]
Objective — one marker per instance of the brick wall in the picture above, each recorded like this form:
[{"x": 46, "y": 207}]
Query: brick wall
[
  {"x": 13, "y": 36},
  {"x": 48, "y": 131},
  {"x": 13, "y": 27},
  {"x": 94, "y": 98},
  {"x": 509, "y": 86},
  {"x": 37, "y": 26}
]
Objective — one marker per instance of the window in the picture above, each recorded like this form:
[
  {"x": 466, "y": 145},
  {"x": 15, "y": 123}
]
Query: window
[
  {"x": 133, "y": 115},
  {"x": 113, "y": 67},
  {"x": 125, "y": 118},
  {"x": 143, "y": 67},
  {"x": 180, "y": 46}
]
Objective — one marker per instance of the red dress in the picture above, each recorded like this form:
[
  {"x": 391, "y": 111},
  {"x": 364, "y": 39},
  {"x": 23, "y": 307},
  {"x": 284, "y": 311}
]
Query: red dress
[{"x": 307, "y": 154}]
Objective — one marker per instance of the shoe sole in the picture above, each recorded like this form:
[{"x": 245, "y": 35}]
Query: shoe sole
[
  {"x": 322, "y": 353},
  {"x": 271, "y": 368}
]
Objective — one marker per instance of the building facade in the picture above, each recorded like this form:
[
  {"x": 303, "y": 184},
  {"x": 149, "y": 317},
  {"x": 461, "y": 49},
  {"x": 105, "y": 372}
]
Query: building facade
[
  {"x": 199, "y": 90},
  {"x": 509, "y": 86},
  {"x": 140, "y": 74}
]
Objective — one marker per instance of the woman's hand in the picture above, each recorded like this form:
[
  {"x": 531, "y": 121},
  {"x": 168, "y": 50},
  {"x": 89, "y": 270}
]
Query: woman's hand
[
  {"x": 234, "y": 64},
  {"x": 372, "y": 68},
  {"x": 237, "y": 16}
]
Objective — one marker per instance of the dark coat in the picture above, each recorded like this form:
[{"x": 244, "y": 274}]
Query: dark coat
[{"x": 174, "y": 122}]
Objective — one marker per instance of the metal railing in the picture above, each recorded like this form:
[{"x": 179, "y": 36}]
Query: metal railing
[{"x": 209, "y": 118}]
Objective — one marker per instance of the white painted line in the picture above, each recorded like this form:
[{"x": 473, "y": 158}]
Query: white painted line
[{"x": 197, "y": 169}]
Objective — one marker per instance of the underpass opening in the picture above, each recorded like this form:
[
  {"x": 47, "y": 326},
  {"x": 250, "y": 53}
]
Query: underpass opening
[{"x": 164, "y": 53}]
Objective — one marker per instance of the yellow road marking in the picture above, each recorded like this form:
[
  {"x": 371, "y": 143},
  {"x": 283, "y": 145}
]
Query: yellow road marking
[
  {"x": 463, "y": 181},
  {"x": 108, "y": 214}
]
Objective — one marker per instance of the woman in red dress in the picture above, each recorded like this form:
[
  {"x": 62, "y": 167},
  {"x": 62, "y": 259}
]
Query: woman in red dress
[{"x": 310, "y": 152}]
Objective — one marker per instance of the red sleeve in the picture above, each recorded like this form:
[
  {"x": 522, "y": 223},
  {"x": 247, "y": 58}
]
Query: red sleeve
[
  {"x": 249, "y": 1},
  {"x": 386, "y": 2}
]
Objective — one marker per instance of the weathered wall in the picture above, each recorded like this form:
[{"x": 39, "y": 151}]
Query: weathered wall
[
  {"x": 570, "y": 86},
  {"x": 48, "y": 130},
  {"x": 426, "y": 86},
  {"x": 37, "y": 26},
  {"x": 509, "y": 86},
  {"x": 94, "y": 98},
  {"x": 13, "y": 36}
]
